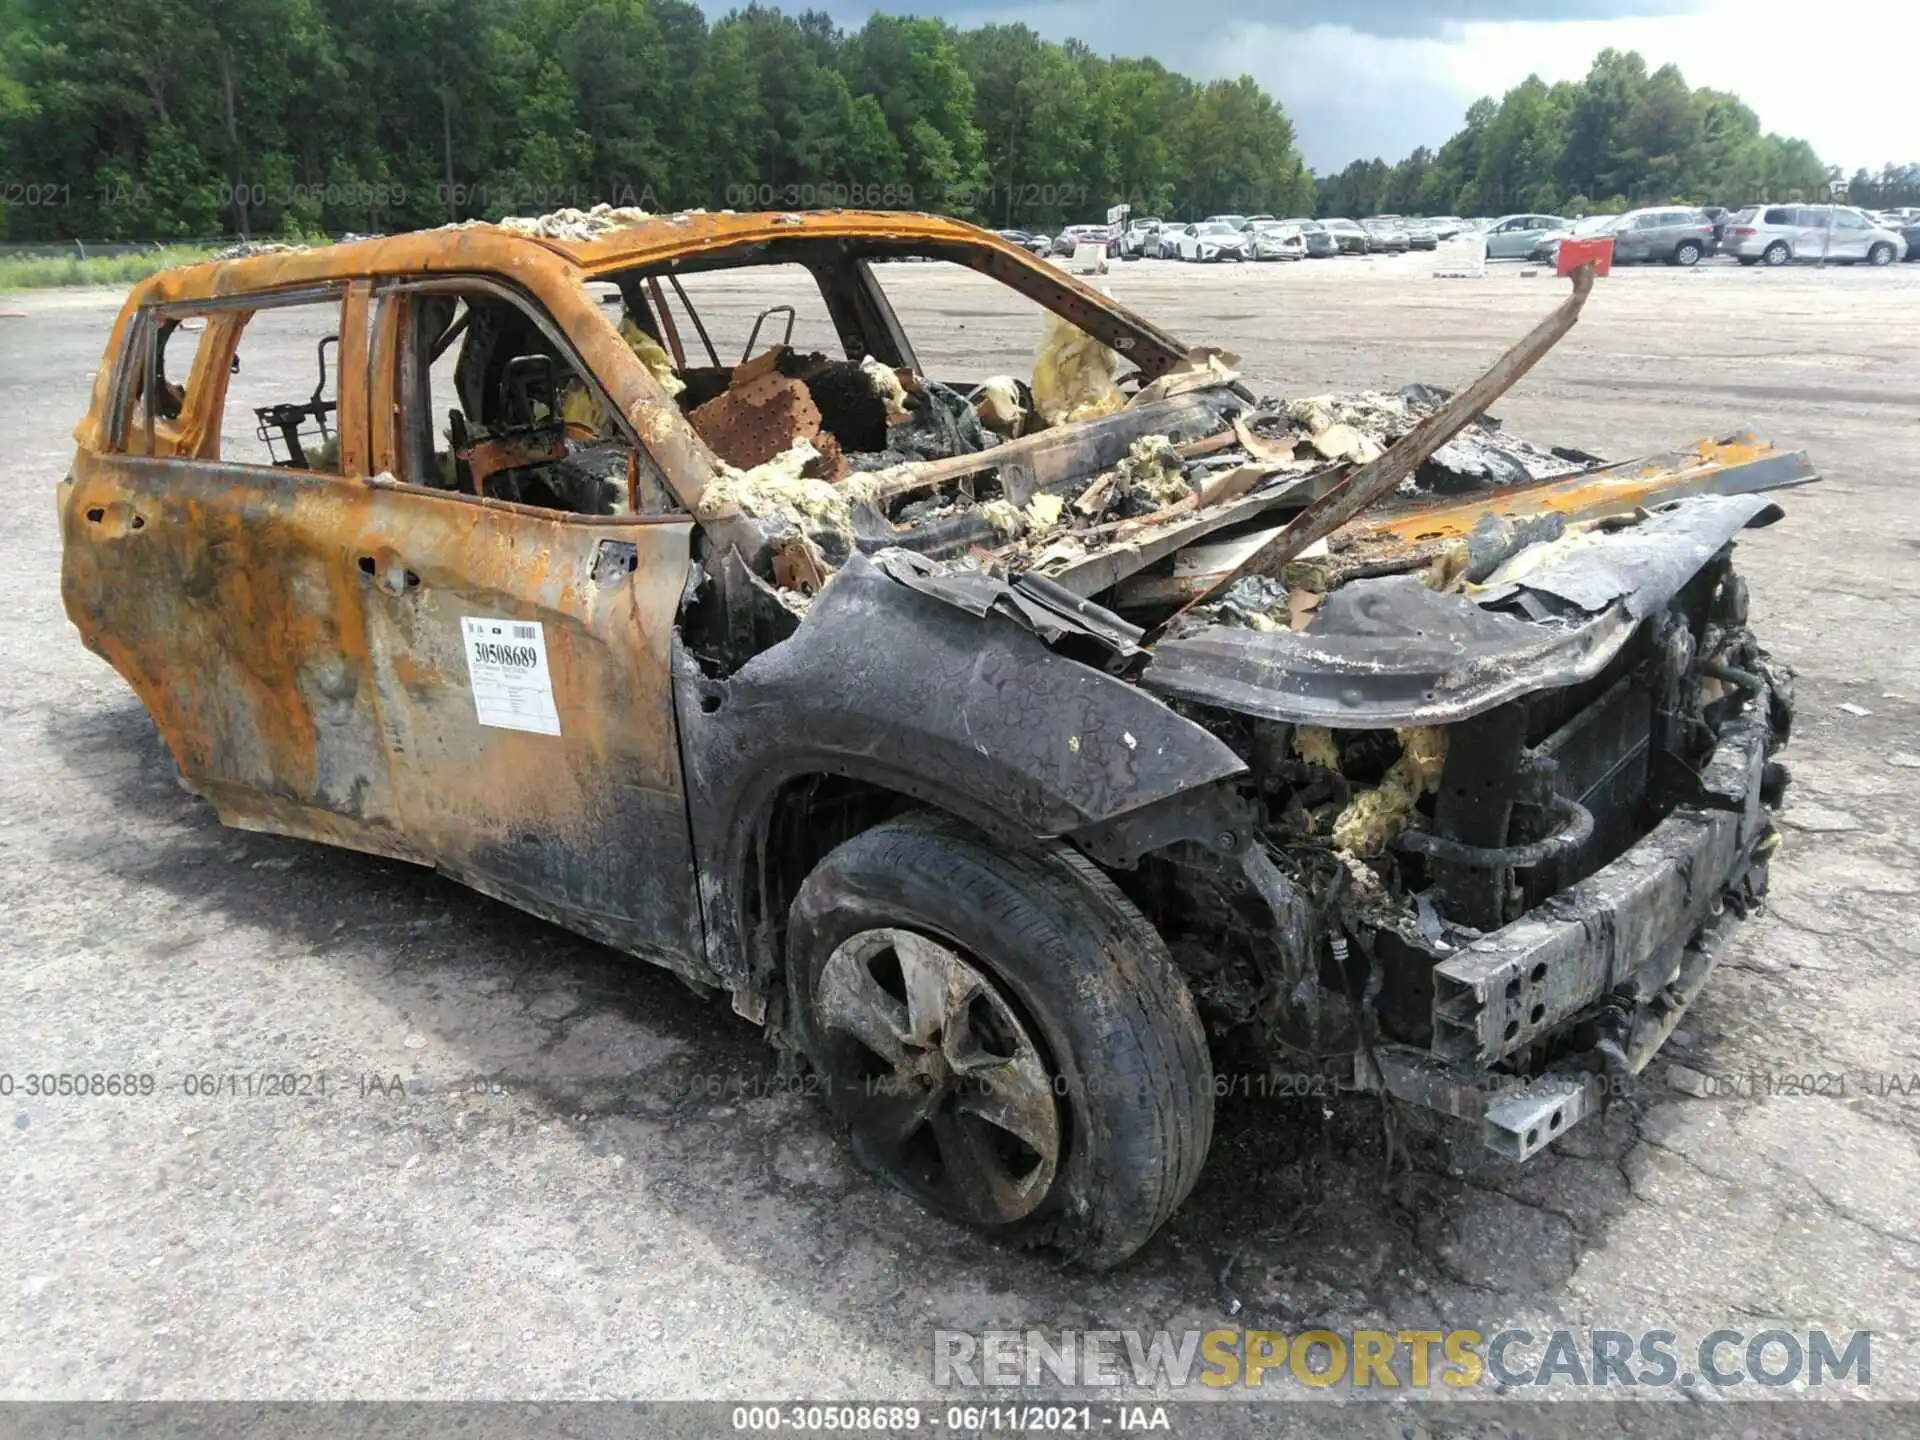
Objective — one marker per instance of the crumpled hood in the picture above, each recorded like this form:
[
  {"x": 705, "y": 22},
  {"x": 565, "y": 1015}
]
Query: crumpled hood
[{"x": 1392, "y": 652}]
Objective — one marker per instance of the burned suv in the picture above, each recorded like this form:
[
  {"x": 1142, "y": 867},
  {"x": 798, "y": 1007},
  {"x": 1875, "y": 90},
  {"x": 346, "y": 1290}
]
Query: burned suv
[{"x": 1015, "y": 749}]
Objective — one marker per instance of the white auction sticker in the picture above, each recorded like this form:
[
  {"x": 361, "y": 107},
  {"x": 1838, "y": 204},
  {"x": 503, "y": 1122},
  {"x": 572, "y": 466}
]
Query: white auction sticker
[{"x": 507, "y": 667}]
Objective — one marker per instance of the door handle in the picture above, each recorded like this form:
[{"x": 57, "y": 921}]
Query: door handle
[
  {"x": 392, "y": 577},
  {"x": 115, "y": 518}
]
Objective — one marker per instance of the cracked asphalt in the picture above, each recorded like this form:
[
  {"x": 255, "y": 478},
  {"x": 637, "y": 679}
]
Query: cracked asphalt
[{"x": 588, "y": 1182}]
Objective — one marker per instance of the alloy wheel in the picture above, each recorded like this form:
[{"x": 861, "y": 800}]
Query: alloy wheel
[{"x": 940, "y": 1080}]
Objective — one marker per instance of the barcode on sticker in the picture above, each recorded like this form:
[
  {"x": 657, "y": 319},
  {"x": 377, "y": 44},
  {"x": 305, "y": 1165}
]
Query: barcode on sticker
[{"x": 523, "y": 632}]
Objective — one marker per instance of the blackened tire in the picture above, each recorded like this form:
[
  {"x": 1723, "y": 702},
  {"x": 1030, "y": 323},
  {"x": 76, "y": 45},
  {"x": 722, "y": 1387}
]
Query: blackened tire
[
  {"x": 1071, "y": 960},
  {"x": 1687, "y": 253},
  {"x": 1880, "y": 254},
  {"x": 1777, "y": 253}
]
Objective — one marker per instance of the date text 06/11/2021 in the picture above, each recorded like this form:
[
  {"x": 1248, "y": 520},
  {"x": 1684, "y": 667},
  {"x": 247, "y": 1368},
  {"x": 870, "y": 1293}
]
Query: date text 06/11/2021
[{"x": 964, "y": 1419}]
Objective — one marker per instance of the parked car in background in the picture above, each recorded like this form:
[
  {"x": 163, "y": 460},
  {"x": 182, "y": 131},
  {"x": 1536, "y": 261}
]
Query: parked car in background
[
  {"x": 1781, "y": 234},
  {"x": 1275, "y": 240},
  {"x": 1512, "y": 237},
  {"x": 1385, "y": 235},
  {"x": 1421, "y": 235},
  {"x": 1134, "y": 239},
  {"x": 1320, "y": 244},
  {"x": 1348, "y": 235},
  {"x": 1074, "y": 236},
  {"x": 1027, "y": 240},
  {"x": 1238, "y": 222},
  {"x": 1676, "y": 235},
  {"x": 1590, "y": 227},
  {"x": 1910, "y": 233},
  {"x": 1210, "y": 240}
]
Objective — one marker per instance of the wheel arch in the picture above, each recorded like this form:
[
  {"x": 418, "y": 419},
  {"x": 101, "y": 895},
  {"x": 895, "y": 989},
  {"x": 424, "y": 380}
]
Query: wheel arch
[
  {"x": 786, "y": 822},
  {"x": 887, "y": 698}
]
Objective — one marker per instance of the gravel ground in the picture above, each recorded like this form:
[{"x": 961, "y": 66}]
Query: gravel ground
[{"x": 586, "y": 1183}]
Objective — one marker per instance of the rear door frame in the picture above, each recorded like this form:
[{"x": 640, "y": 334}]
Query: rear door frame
[{"x": 218, "y": 588}]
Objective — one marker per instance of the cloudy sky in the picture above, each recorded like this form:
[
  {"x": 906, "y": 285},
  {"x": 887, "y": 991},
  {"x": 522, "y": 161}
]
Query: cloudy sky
[{"x": 1378, "y": 77}]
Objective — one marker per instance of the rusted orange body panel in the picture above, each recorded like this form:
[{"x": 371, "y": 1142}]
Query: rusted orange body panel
[
  {"x": 1589, "y": 495},
  {"x": 297, "y": 636}
]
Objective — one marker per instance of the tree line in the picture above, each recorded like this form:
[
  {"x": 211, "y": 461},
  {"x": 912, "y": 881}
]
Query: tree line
[
  {"x": 155, "y": 119},
  {"x": 1616, "y": 140}
]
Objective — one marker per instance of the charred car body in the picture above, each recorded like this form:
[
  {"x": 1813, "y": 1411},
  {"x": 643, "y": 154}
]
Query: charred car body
[{"x": 1012, "y": 749}]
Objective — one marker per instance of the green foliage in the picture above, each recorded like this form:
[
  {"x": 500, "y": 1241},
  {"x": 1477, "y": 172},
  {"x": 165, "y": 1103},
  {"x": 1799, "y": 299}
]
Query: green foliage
[
  {"x": 1636, "y": 138},
  {"x": 151, "y": 118},
  {"x": 19, "y": 272},
  {"x": 179, "y": 119}
]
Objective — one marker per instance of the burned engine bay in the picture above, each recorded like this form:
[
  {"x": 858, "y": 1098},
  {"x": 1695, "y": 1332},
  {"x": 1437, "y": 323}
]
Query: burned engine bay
[{"x": 1393, "y": 680}]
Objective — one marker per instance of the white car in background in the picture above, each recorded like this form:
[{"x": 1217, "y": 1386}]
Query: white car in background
[
  {"x": 1275, "y": 240},
  {"x": 1782, "y": 234},
  {"x": 1210, "y": 240},
  {"x": 1138, "y": 238}
]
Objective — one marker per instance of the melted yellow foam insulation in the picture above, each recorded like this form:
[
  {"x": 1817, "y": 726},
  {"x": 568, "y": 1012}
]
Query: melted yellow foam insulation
[
  {"x": 570, "y": 224},
  {"x": 1037, "y": 521},
  {"x": 1004, "y": 516},
  {"x": 778, "y": 491},
  {"x": 1371, "y": 820},
  {"x": 1074, "y": 374},
  {"x": 1314, "y": 744},
  {"x": 1152, "y": 469},
  {"x": 648, "y": 352},
  {"x": 887, "y": 386},
  {"x": 1043, "y": 513},
  {"x": 580, "y": 404}
]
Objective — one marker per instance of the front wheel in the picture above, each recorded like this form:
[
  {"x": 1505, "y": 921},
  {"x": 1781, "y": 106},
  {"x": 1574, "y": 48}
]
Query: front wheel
[
  {"x": 1777, "y": 253},
  {"x": 1880, "y": 254},
  {"x": 1688, "y": 252},
  {"x": 1003, "y": 1035}
]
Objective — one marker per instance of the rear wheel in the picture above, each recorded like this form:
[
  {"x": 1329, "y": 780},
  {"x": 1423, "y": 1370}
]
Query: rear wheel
[
  {"x": 1688, "y": 252},
  {"x": 1003, "y": 1035},
  {"x": 1880, "y": 254},
  {"x": 1777, "y": 253}
]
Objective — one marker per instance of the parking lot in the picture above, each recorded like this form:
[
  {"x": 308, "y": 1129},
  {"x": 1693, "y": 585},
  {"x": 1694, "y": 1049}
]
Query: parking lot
[{"x": 539, "y": 1170}]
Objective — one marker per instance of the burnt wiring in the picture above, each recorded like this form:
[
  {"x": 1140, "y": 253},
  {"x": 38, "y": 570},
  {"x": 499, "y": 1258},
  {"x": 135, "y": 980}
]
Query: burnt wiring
[{"x": 1346, "y": 921}]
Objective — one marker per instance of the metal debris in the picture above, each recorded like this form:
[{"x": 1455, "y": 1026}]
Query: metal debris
[
  {"x": 756, "y": 419},
  {"x": 1151, "y": 477},
  {"x": 998, "y": 403}
]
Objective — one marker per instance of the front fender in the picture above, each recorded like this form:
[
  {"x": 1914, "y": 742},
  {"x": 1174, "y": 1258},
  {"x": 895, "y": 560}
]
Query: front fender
[{"x": 970, "y": 713}]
